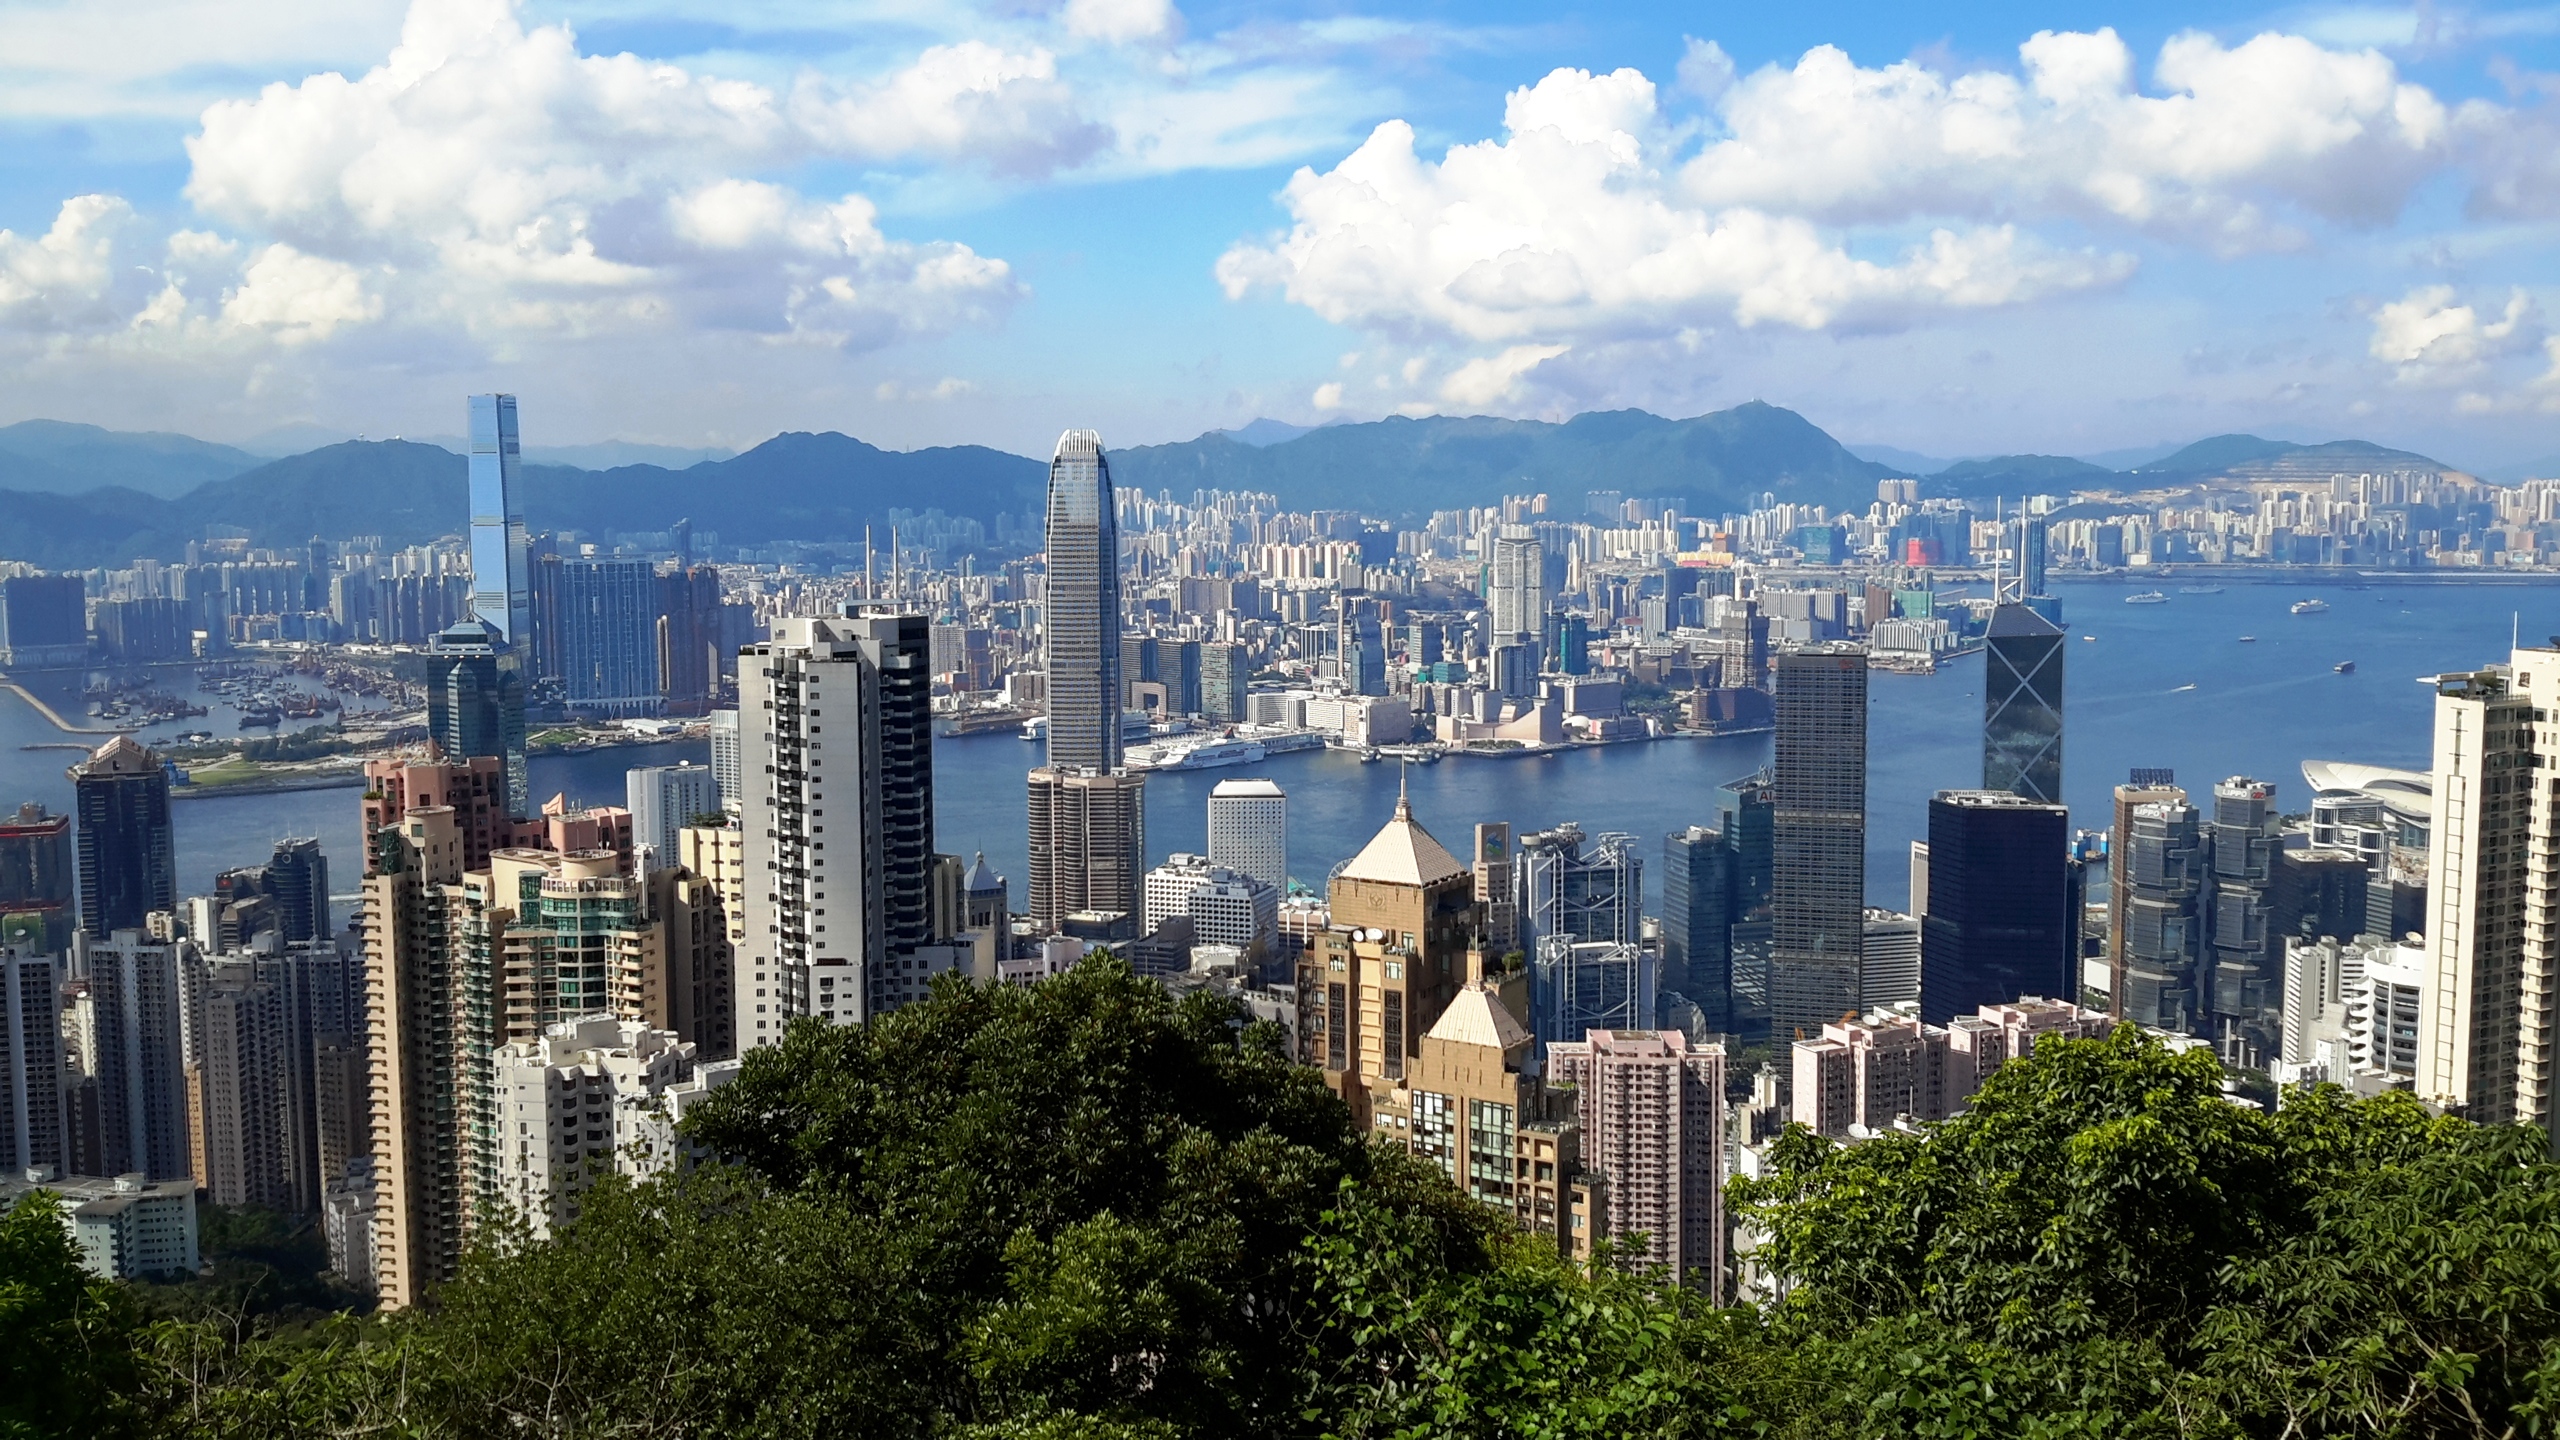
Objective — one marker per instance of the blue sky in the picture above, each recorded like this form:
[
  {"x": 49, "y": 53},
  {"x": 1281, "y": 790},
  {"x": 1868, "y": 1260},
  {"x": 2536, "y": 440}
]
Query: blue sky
[{"x": 1959, "y": 230}]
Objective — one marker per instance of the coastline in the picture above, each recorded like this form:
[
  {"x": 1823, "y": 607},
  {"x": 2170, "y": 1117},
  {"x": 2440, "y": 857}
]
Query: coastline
[{"x": 55, "y": 719}]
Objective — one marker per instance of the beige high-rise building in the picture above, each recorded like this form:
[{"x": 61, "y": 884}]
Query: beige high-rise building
[
  {"x": 413, "y": 1048},
  {"x": 2491, "y": 996},
  {"x": 1403, "y": 916},
  {"x": 1088, "y": 844}
]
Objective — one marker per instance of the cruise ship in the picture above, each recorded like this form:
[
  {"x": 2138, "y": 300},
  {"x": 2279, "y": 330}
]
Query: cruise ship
[
  {"x": 2147, "y": 597},
  {"x": 2311, "y": 607},
  {"x": 1206, "y": 755}
]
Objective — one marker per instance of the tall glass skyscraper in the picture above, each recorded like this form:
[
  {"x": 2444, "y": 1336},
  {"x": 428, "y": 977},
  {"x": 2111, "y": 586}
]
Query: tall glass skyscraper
[
  {"x": 1081, "y": 615},
  {"x": 501, "y": 583},
  {"x": 480, "y": 676},
  {"x": 2022, "y": 704},
  {"x": 1818, "y": 860}
]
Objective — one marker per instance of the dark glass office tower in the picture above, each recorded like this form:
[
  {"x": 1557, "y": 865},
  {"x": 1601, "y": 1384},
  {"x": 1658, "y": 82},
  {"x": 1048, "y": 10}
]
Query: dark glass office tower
[
  {"x": 1818, "y": 861},
  {"x": 2167, "y": 915},
  {"x": 2000, "y": 919},
  {"x": 1080, "y": 619},
  {"x": 2022, "y": 705},
  {"x": 475, "y": 701},
  {"x": 2248, "y": 942},
  {"x": 1697, "y": 919},
  {"x": 1745, "y": 812},
  {"x": 128, "y": 854}
]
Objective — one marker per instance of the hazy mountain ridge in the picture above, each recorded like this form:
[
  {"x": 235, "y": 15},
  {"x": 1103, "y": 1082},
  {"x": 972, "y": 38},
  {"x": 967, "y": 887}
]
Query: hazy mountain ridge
[
  {"x": 1712, "y": 463},
  {"x": 61, "y": 458},
  {"x": 829, "y": 486}
]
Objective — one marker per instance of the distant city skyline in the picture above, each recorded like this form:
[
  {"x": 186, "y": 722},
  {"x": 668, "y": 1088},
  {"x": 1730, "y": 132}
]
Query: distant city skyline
[{"x": 1996, "y": 229}]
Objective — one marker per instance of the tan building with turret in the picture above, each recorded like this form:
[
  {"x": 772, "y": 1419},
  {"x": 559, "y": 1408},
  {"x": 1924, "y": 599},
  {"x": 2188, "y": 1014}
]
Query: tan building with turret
[{"x": 1373, "y": 982}]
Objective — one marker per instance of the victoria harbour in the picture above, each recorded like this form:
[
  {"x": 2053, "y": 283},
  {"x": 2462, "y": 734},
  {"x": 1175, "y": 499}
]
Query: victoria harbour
[{"x": 2258, "y": 708}]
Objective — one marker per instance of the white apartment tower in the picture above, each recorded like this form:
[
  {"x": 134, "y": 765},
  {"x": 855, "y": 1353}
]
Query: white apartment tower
[
  {"x": 836, "y": 816},
  {"x": 1516, "y": 592},
  {"x": 585, "y": 1100},
  {"x": 1249, "y": 830},
  {"x": 663, "y": 800},
  {"x": 2492, "y": 986}
]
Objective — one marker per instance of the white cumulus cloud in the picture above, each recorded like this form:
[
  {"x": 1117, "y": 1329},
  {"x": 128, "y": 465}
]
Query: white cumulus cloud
[
  {"x": 1571, "y": 230},
  {"x": 497, "y": 177},
  {"x": 2238, "y": 141},
  {"x": 2429, "y": 337},
  {"x": 65, "y": 278},
  {"x": 299, "y": 297}
]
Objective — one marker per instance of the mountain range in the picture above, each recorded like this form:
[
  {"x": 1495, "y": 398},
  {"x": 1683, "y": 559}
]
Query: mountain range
[{"x": 82, "y": 496}]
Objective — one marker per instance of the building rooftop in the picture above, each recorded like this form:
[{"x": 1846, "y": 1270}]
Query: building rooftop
[
  {"x": 1263, "y": 789},
  {"x": 1478, "y": 1017},
  {"x": 1404, "y": 854}
]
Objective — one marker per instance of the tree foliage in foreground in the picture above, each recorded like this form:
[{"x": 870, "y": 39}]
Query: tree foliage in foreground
[{"x": 1085, "y": 1212}]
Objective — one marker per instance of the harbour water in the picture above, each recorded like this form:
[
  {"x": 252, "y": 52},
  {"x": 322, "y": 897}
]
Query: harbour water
[{"x": 2258, "y": 709}]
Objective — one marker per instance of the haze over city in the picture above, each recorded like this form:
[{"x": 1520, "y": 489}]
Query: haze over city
[{"x": 2008, "y": 228}]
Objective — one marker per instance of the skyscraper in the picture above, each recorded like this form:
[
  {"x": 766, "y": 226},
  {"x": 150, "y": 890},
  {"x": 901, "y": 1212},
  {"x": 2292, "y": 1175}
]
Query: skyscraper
[
  {"x": 726, "y": 758},
  {"x": 36, "y": 870},
  {"x": 608, "y": 637},
  {"x": 1516, "y": 591},
  {"x": 1249, "y": 830},
  {"x": 288, "y": 896},
  {"x": 2022, "y": 704},
  {"x": 663, "y": 800},
  {"x": 475, "y": 702},
  {"x": 2142, "y": 787},
  {"x": 837, "y": 704},
  {"x": 1697, "y": 920},
  {"x": 1088, "y": 843},
  {"x": 2168, "y": 916},
  {"x": 34, "y": 1125},
  {"x": 2487, "y": 1006},
  {"x": 1652, "y": 1111},
  {"x": 1224, "y": 679},
  {"x": 2247, "y": 988},
  {"x": 1373, "y": 983},
  {"x": 1818, "y": 862},
  {"x": 132, "y": 1055},
  {"x": 501, "y": 584},
  {"x": 1080, "y": 618},
  {"x": 1999, "y": 922},
  {"x": 128, "y": 856},
  {"x": 689, "y": 637}
]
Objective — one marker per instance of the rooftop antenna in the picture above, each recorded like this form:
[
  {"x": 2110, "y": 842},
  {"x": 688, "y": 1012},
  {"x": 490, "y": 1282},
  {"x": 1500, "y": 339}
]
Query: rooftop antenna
[{"x": 1404, "y": 785}]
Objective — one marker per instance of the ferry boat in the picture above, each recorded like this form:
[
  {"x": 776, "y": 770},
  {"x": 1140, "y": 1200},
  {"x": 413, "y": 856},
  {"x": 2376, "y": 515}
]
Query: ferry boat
[
  {"x": 2147, "y": 597},
  {"x": 2311, "y": 607},
  {"x": 2248, "y": 639},
  {"x": 2345, "y": 667}
]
